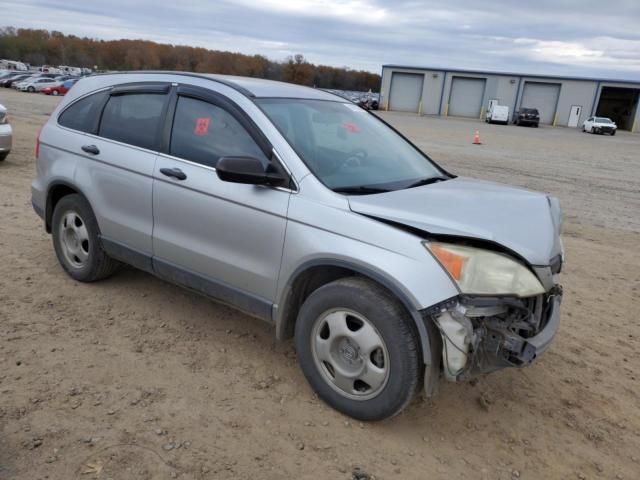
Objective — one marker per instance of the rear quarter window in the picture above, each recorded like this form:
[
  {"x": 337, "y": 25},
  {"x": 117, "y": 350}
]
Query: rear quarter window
[{"x": 84, "y": 114}]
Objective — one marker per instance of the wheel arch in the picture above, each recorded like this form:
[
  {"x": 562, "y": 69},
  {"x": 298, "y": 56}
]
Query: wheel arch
[
  {"x": 55, "y": 192},
  {"x": 313, "y": 274}
]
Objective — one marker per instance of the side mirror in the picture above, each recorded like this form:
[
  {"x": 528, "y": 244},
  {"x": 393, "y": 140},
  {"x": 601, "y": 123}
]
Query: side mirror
[{"x": 248, "y": 170}]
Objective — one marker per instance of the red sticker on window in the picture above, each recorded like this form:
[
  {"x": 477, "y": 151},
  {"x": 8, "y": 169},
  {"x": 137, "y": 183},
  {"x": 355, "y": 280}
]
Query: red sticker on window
[
  {"x": 351, "y": 127},
  {"x": 202, "y": 126}
]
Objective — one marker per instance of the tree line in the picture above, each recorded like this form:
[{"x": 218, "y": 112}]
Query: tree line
[{"x": 43, "y": 47}]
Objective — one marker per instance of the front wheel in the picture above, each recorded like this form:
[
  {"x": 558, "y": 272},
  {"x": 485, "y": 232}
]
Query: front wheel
[
  {"x": 358, "y": 348},
  {"x": 31, "y": 89},
  {"x": 76, "y": 242},
  {"x": 54, "y": 93},
  {"x": 613, "y": 133},
  {"x": 3, "y": 155}
]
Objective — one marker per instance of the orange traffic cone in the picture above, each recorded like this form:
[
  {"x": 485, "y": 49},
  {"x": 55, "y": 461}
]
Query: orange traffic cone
[{"x": 476, "y": 138}]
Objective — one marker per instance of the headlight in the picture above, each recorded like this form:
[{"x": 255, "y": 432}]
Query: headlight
[{"x": 483, "y": 272}]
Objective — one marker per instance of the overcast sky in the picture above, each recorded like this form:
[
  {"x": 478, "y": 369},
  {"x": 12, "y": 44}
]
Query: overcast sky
[{"x": 564, "y": 37}]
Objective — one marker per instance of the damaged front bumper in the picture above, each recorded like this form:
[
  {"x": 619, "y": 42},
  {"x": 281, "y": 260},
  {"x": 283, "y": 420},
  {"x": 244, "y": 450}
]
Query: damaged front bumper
[{"x": 484, "y": 334}]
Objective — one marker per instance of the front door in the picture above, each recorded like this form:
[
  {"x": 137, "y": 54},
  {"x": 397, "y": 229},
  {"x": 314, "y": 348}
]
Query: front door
[
  {"x": 224, "y": 239},
  {"x": 574, "y": 116}
]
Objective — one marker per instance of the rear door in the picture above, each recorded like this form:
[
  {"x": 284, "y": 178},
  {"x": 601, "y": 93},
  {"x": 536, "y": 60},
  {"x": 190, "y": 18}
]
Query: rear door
[
  {"x": 224, "y": 239},
  {"x": 118, "y": 176}
]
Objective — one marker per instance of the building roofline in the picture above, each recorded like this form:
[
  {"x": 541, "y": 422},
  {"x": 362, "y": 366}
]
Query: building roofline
[{"x": 511, "y": 74}]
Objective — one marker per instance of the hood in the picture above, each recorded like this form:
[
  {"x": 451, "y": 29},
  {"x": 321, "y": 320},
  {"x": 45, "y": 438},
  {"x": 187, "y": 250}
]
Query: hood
[{"x": 518, "y": 219}]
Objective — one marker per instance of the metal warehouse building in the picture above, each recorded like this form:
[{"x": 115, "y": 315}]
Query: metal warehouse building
[{"x": 566, "y": 101}]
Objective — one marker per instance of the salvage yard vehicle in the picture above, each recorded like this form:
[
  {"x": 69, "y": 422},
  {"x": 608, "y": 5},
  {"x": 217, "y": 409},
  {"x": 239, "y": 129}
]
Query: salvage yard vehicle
[
  {"x": 36, "y": 84},
  {"x": 497, "y": 114},
  {"x": 60, "y": 88},
  {"x": 300, "y": 208},
  {"x": 527, "y": 116},
  {"x": 599, "y": 125},
  {"x": 6, "y": 134}
]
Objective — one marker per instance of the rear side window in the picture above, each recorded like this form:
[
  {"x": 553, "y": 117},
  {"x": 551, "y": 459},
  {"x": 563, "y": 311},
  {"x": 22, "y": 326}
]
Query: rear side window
[
  {"x": 83, "y": 115},
  {"x": 203, "y": 132},
  {"x": 133, "y": 119}
]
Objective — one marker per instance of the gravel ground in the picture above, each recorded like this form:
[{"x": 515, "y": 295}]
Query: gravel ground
[{"x": 132, "y": 378}]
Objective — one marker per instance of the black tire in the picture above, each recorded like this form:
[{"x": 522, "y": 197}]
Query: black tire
[
  {"x": 98, "y": 265},
  {"x": 395, "y": 327},
  {"x": 31, "y": 89},
  {"x": 613, "y": 133},
  {"x": 3, "y": 155}
]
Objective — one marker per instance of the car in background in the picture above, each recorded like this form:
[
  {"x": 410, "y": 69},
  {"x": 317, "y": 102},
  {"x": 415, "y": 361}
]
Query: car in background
[
  {"x": 6, "y": 134},
  {"x": 60, "y": 89},
  {"x": 527, "y": 116},
  {"x": 10, "y": 80},
  {"x": 497, "y": 114},
  {"x": 599, "y": 125},
  {"x": 37, "y": 84},
  {"x": 369, "y": 101}
]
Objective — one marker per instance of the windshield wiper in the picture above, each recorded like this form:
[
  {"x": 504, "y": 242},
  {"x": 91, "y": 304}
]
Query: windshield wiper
[
  {"x": 426, "y": 181},
  {"x": 361, "y": 190}
]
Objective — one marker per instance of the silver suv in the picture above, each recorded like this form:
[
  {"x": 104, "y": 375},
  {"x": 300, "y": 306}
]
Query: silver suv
[{"x": 309, "y": 212}]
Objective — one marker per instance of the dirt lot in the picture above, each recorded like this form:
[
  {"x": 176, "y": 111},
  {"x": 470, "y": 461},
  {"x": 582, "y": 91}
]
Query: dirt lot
[{"x": 132, "y": 378}]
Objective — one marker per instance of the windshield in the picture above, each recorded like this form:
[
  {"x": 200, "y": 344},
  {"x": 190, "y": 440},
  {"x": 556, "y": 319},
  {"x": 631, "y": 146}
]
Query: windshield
[
  {"x": 348, "y": 148},
  {"x": 603, "y": 120}
]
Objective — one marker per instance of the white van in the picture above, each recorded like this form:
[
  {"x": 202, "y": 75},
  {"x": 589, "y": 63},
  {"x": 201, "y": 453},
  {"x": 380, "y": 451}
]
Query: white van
[{"x": 497, "y": 114}]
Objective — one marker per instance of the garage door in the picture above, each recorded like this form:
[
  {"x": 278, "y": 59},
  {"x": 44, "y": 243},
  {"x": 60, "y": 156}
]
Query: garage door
[
  {"x": 406, "y": 91},
  {"x": 544, "y": 97},
  {"x": 466, "y": 97}
]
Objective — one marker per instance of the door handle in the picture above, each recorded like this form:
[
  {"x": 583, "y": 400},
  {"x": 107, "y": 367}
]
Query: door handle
[
  {"x": 174, "y": 172},
  {"x": 92, "y": 149}
]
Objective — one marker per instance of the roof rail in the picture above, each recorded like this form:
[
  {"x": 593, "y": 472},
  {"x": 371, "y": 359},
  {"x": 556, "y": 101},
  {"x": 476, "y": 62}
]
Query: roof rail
[{"x": 227, "y": 83}]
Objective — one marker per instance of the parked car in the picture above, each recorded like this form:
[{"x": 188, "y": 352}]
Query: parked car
[
  {"x": 310, "y": 213},
  {"x": 9, "y": 81},
  {"x": 60, "y": 89},
  {"x": 6, "y": 134},
  {"x": 37, "y": 84},
  {"x": 497, "y": 114},
  {"x": 599, "y": 125},
  {"x": 527, "y": 116},
  {"x": 368, "y": 101}
]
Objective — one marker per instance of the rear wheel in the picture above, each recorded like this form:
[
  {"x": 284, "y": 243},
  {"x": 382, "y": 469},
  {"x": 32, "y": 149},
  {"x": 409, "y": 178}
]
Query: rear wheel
[
  {"x": 31, "y": 89},
  {"x": 358, "y": 348},
  {"x": 54, "y": 93},
  {"x": 3, "y": 155},
  {"x": 76, "y": 242}
]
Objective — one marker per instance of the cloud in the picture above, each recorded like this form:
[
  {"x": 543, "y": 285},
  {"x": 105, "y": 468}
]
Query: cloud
[{"x": 555, "y": 36}]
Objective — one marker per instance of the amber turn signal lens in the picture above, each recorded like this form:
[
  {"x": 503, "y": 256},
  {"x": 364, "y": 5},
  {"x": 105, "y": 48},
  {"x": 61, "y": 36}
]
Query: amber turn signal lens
[{"x": 452, "y": 262}]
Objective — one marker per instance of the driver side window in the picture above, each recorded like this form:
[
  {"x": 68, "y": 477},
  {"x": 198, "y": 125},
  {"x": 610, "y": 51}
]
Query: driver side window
[{"x": 203, "y": 133}]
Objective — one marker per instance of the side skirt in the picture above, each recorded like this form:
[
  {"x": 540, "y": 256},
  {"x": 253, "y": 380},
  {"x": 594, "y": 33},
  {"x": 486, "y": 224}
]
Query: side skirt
[{"x": 221, "y": 292}]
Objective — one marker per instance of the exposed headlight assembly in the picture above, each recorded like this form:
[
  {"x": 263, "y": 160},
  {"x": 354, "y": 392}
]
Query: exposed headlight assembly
[{"x": 483, "y": 272}]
